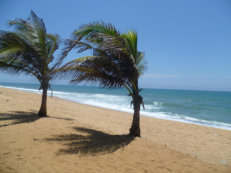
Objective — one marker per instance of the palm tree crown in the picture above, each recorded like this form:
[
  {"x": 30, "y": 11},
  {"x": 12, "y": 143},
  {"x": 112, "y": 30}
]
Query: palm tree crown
[{"x": 115, "y": 56}]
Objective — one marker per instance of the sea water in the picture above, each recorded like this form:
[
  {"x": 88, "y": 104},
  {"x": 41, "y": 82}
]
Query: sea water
[{"x": 209, "y": 108}]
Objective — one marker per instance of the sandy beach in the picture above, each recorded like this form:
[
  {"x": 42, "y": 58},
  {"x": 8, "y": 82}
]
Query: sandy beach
[{"x": 81, "y": 138}]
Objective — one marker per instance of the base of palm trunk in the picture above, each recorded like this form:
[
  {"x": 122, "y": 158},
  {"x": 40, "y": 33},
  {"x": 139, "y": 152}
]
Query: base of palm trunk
[
  {"x": 135, "y": 131},
  {"x": 42, "y": 113}
]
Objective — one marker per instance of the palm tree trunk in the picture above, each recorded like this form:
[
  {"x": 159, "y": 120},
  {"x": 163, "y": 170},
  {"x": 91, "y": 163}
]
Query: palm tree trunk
[
  {"x": 135, "y": 129},
  {"x": 43, "y": 109}
]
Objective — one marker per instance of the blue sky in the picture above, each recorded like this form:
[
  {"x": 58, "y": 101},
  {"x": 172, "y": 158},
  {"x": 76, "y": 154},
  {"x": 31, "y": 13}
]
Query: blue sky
[{"x": 187, "y": 44}]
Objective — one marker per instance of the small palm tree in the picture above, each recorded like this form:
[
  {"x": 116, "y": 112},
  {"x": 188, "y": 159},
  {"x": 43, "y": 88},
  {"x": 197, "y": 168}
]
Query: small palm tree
[
  {"x": 30, "y": 50},
  {"x": 116, "y": 62}
]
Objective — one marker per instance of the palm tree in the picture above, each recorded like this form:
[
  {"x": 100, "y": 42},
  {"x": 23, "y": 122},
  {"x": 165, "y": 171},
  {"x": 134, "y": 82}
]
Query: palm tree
[
  {"x": 29, "y": 49},
  {"x": 116, "y": 62}
]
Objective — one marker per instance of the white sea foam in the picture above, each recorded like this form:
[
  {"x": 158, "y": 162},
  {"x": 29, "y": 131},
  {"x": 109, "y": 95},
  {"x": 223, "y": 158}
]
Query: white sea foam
[
  {"x": 155, "y": 103},
  {"x": 187, "y": 119},
  {"x": 23, "y": 89},
  {"x": 122, "y": 103}
]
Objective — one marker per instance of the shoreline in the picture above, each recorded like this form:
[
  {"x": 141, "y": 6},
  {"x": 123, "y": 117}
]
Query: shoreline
[
  {"x": 218, "y": 125},
  {"x": 78, "y": 137}
]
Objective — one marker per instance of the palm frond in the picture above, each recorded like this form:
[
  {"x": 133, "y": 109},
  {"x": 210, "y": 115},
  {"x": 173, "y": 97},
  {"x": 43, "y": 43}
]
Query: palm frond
[
  {"x": 52, "y": 44},
  {"x": 90, "y": 29},
  {"x": 13, "y": 44},
  {"x": 28, "y": 48},
  {"x": 141, "y": 64},
  {"x": 69, "y": 45},
  {"x": 13, "y": 66},
  {"x": 130, "y": 39},
  {"x": 93, "y": 70}
]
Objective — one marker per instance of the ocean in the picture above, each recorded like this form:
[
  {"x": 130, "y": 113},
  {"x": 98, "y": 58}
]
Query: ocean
[{"x": 208, "y": 108}]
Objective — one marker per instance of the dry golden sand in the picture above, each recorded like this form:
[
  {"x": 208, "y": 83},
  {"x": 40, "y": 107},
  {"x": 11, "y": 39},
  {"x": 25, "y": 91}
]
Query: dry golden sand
[{"x": 81, "y": 138}]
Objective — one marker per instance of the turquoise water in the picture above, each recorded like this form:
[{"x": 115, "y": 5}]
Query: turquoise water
[{"x": 209, "y": 108}]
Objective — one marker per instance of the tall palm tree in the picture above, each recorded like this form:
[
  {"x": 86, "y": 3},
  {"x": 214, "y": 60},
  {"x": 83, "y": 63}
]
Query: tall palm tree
[
  {"x": 29, "y": 49},
  {"x": 116, "y": 62}
]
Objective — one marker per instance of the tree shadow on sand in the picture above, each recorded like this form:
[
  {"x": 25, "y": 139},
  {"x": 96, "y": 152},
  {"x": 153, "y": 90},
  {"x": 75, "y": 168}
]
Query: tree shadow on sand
[
  {"x": 19, "y": 117},
  {"x": 91, "y": 142}
]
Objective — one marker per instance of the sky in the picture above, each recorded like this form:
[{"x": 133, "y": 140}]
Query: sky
[{"x": 187, "y": 44}]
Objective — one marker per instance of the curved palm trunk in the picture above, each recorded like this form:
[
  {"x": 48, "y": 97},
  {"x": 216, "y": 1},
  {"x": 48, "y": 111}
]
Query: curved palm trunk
[
  {"x": 135, "y": 129},
  {"x": 43, "y": 109}
]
